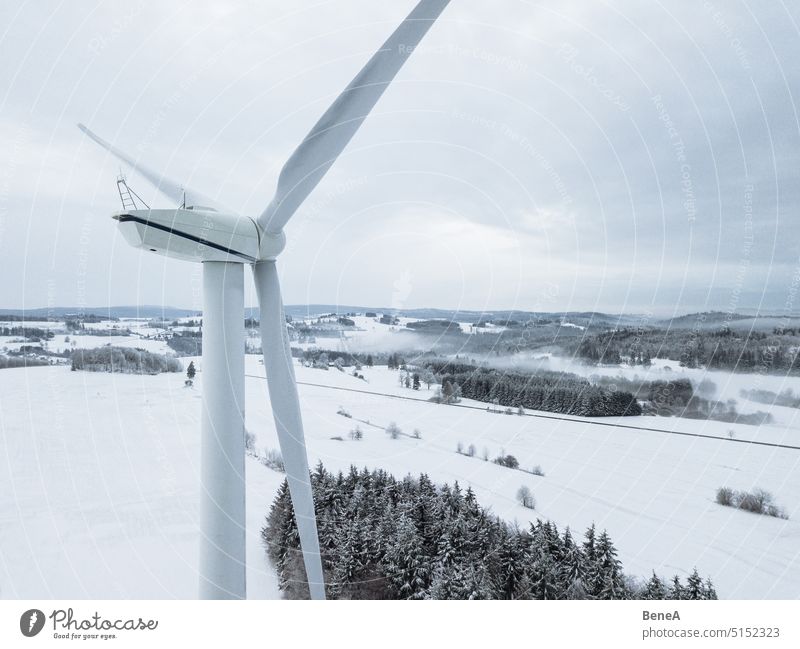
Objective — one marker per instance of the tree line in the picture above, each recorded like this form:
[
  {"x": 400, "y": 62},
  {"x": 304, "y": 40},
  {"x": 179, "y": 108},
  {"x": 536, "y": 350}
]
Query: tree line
[
  {"x": 383, "y": 538},
  {"x": 549, "y": 391},
  {"x": 187, "y": 343},
  {"x": 721, "y": 349},
  {"x": 123, "y": 360},
  {"x": 33, "y": 334},
  {"x": 11, "y": 362}
]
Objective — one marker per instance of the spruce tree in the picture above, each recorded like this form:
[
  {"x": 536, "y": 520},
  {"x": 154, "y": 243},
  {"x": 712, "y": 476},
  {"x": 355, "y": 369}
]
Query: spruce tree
[
  {"x": 676, "y": 590},
  {"x": 544, "y": 577},
  {"x": 655, "y": 588},
  {"x": 511, "y": 562},
  {"x": 573, "y": 569},
  {"x": 591, "y": 570},
  {"x": 694, "y": 586},
  {"x": 524, "y": 588},
  {"x": 348, "y": 558},
  {"x": 608, "y": 582},
  {"x": 406, "y": 565}
]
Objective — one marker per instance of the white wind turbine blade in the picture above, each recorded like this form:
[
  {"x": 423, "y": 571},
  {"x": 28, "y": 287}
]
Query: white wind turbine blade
[
  {"x": 330, "y": 135},
  {"x": 171, "y": 189},
  {"x": 288, "y": 421}
]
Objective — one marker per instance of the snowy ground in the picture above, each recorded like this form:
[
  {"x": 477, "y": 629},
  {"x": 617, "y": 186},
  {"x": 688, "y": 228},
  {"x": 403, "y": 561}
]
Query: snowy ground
[
  {"x": 67, "y": 342},
  {"x": 143, "y": 336},
  {"x": 99, "y": 476},
  {"x": 37, "y": 324},
  {"x": 654, "y": 492}
]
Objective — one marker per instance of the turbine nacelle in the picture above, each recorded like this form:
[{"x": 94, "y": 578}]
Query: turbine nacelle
[{"x": 199, "y": 234}]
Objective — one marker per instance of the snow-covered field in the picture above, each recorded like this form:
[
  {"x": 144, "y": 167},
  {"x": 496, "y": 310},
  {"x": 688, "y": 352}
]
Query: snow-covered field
[
  {"x": 99, "y": 476},
  {"x": 142, "y": 335}
]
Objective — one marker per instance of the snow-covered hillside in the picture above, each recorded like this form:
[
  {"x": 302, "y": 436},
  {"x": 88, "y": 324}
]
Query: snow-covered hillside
[
  {"x": 133, "y": 332},
  {"x": 99, "y": 477}
]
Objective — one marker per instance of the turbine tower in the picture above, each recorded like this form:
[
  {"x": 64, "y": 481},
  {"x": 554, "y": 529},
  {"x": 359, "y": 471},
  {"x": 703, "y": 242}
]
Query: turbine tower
[{"x": 199, "y": 230}]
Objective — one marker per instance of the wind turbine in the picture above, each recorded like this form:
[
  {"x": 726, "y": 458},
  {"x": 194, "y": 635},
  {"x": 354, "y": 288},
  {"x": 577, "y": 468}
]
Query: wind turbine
[{"x": 202, "y": 231}]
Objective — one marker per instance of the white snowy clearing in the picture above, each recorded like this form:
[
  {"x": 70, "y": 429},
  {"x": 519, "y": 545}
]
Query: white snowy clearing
[{"x": 100, "y": 482}]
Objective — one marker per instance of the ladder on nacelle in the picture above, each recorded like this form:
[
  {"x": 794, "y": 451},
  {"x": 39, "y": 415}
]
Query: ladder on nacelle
[{"x": 127, "y": 195}]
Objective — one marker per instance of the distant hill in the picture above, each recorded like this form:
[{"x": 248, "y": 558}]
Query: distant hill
[
  {"x": 145, "y": 311},
  {"x": 593, "y": 319},
  {"x": 702, "y": 320},
  {"x": 714, "y": 320},
  {"x": 582, "y": 318}
]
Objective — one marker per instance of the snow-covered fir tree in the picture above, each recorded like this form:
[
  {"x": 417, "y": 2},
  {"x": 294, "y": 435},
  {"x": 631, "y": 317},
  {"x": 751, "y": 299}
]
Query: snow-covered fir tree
[
  {"x": 655, "y": 588},
  {"x": 407, "y": 567},
  {"x": 383, "y": 538}
]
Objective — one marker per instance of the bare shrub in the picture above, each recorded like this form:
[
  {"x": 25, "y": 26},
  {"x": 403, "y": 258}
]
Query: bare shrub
[
  {"x": 525, "y": 497},
  {"x": 471, "y": 450},
  {"x": 777, "y": 512},
  {"x": 508, "y": 461},
  {"x": 758, "y": 501},
  {"x": 356, "y": 434},
  {"x": 394, "y": 430},
  {"x": 725, "y": 496},
  {"x": 274, "y": 460}
]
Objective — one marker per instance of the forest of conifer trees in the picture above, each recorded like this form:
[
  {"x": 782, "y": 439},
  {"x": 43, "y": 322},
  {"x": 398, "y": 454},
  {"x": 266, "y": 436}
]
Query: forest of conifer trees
[
  {"x": 724, "y": 348},
  {"x": 552, "y": 392},
  {"x": 383, "y": 538},
  {"x": 123, "y": 360}
]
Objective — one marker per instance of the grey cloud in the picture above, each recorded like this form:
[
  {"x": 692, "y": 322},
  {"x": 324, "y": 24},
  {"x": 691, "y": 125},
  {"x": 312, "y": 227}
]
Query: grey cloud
[{"x": 533, "y": 130}]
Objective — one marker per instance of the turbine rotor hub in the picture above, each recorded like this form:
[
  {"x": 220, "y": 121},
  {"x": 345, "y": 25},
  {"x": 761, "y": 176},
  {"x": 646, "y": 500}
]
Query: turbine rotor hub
[{"x": 271, "y": 245}]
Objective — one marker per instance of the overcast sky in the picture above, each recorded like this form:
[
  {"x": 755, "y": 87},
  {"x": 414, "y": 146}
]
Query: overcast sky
[{"x": 637, "y": 156}]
